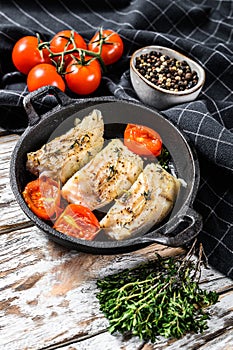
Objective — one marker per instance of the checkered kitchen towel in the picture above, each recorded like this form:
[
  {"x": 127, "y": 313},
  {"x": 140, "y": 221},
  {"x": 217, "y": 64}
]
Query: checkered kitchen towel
[{"x": 201, "y": 29}]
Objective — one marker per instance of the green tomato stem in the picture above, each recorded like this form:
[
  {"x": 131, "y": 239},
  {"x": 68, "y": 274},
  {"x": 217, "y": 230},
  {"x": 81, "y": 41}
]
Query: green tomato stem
[{"x": 75, "y": 49}]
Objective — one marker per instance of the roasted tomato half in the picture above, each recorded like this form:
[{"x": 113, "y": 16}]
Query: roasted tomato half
[
  {"x": 43, "y": 197},
  {"x": 142, "y": 140},
  {"x": 78, "y": 221}
]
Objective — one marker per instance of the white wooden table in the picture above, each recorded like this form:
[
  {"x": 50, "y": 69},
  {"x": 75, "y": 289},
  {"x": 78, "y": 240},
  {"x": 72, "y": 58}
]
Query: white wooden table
[{"x": 47, "y": 298}]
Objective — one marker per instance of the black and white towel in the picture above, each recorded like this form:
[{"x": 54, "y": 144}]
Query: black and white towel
[{"x": 202, "y": 30}]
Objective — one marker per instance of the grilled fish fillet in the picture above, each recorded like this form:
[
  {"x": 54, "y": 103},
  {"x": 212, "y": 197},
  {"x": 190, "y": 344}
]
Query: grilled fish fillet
[
  {"x": 112, "y": 171},
  {"x": 67, "y": 153},
  {"x": 147, "y": 202}
]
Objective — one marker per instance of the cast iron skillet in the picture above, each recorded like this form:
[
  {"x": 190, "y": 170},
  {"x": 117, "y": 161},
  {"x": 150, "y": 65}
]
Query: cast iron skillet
[{"x": 180, "y": 227}]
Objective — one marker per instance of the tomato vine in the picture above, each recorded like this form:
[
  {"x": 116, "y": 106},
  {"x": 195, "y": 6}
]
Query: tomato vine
[{"x": 66, "y": 50}]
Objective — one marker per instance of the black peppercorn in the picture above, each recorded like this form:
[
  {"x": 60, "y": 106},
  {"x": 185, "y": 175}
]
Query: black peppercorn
[{"x": 166, "y": 72}]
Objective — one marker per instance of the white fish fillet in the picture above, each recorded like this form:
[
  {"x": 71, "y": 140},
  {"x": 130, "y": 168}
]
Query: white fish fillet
[
  {"x": 147, "y": 202},
  {"x": 67, "y": 153},
  {"x": 112, "y": 171}
]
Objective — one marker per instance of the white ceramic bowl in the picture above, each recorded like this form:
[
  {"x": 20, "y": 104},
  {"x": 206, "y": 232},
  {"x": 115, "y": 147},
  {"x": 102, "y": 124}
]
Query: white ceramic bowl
[{"x": 156, "y": 96}]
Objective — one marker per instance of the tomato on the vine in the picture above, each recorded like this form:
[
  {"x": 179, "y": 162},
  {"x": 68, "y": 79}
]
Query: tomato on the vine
[
  {"x": 142, "y": 140},
  {"x": 26, "y": 54},
  {"x": 83, "y": 77},
  {"x": 42, "y": 75},
  {"x": 78, "y": 221},
  {"x": 66, "y": 60},
  {"x": 112, "y": 48},
  {"x": 62, "y": 41}
]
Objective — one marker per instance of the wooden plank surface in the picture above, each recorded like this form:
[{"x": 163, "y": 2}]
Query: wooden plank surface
[
  {"x": 11, "y": 215},
  {"x": 48, "y": 293}
]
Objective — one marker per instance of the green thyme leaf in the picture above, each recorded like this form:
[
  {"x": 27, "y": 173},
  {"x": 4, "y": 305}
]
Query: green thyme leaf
[
  {"x": 159, "y": 298},
  {"x": 164, "y": 158}
]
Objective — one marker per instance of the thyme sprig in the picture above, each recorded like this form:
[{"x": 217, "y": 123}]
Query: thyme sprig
[
  {"x": 164, "y": 158},
  {"x": 161, "y": 297}
]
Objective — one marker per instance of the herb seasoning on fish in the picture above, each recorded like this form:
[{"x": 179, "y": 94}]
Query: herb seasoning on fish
[
  {"x": 150, "y": 199},
  {"x": 166, "y": 72}
]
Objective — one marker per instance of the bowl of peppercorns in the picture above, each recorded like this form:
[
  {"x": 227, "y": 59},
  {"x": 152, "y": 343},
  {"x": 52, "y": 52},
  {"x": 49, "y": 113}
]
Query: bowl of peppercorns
[{"x": 163, "y": 77}]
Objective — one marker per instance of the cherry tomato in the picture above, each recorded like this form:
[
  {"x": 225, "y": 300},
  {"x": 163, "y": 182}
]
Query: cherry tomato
[
  {"x": 78, "y": 221},
  {"x": 43, "y": 197},
  {"x": 112, "y": 48},
  {"x": 83, "y": 78},
  {"x": 26, "y": 55},
  {"x": 142, "y": 140},
  {"x": 44, "y": 74},
  {"x": 62, "y": 42}
]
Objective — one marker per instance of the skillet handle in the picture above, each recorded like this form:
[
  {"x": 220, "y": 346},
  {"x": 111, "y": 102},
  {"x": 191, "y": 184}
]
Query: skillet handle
[
  {"x": 194, "y": 226},
  {"x": 38, "y": 98}
]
